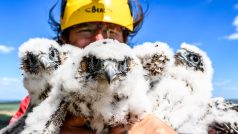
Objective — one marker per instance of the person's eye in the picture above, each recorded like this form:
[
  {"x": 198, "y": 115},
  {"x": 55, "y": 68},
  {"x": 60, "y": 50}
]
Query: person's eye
[
  {"x": 113, "y": 33},
  {"x": 84, "y": 30}
]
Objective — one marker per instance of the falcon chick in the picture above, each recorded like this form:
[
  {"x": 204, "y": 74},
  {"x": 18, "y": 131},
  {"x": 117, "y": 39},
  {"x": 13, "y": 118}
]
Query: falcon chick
[
  {"x": 165, "y": 91},
  {"x": 53, "y": 106},
  {"x": 192, "y": 67},
  {"x": 113, "y": 86},
  {"x": 39, "y": 59}
]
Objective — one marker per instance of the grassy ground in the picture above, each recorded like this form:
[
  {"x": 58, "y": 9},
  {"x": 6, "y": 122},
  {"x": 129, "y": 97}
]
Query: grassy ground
[{"x": 6, "y": 112}]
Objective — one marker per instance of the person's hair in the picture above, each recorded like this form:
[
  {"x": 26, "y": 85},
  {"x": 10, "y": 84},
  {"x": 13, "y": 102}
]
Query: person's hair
[{"x": 136, "y": 11}]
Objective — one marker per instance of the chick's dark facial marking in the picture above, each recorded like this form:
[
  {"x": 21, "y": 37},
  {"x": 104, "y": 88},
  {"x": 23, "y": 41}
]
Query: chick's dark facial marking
[
  {"x": 54, "y": 56},
  {"x": 190, "y": 59},
  {"x": 107, "y": 68},
  {"x": 31, "y": 63}
]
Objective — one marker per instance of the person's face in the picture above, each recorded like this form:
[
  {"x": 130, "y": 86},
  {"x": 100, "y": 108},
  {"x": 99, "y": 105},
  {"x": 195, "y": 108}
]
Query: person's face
[{"x": 84, "y": 34}]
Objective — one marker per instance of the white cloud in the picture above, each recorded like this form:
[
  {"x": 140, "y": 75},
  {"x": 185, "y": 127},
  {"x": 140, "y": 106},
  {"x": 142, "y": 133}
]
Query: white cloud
[
  {"x": 234, "y": 36},
  {"x": 226, "y": 92},
  {"x": 236, "y": 6},
  {"x": 12, "y": 89},
  {"x": 5, "y": 49},
  {"x": 234, "y": 88},
  {"x": 5, "y": 81},
  {"x": 197, "y": 43},
  {"x": 235, "y": 23},
  {"x": 222, "y": 83},
  {"x": 226, "y": 88}
]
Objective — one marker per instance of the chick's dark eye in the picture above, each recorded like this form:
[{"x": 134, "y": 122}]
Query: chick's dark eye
[
  {"x": 52, "y": 54},
  {"x": 94, "y": 64},
  {"x": 124, "y": 66},
  {"x": 91, "y": 65},
  {"x": 193, "y": 57},
  {"x": 99, "y": 65}
]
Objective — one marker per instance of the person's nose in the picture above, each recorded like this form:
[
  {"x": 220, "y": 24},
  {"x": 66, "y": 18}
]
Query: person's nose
[{"x": 100, "y": 35}]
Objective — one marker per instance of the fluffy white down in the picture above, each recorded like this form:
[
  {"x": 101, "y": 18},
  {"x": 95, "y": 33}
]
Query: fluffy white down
[
  {"x": 36, "y": 83},
  {"x": 211, "y": 112},
  {"x": 66, "y": 73},
  {"x": 100, "y": 95},
  {"x": 113, "y": 49},
  {"x": 207, "y": 62},
  {"x": 199, "y": 87},
  {"x": 199, "y": 108},
  {"x": 200, "y": 82},
  {"x": 36, "y": 46},
  {"x": 147, "y": 50},
  {"x": 69, "y": 50},
  {"x": 41, "y": 114}
]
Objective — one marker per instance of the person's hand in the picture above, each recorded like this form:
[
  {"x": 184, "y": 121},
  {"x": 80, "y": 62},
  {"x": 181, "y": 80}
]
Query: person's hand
[
  {"x": 75, "y": 130},
  {"x": 74, "y": 125},
  {"x": 149, "y": 125}
]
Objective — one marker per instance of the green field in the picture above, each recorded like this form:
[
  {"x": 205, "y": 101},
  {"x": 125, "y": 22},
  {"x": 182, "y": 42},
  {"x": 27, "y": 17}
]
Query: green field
[
  {"x": 9, "y": 106},
  {"x": 6, "y": 111}
]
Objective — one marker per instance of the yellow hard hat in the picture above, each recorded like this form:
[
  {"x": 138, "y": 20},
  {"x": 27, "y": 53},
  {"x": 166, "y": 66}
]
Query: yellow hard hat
[{"x": 111, "y": 11}]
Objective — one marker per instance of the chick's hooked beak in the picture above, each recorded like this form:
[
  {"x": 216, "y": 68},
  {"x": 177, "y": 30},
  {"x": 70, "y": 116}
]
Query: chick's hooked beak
[
  {"x": 110, "y": 72},
  {"x": 46, "y": 62},
  {"x": 181, "y": 57},
  {"x": 49, "y": 62}
]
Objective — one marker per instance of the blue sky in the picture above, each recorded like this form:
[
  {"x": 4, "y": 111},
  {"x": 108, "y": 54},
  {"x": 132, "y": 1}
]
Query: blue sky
[{"x": 212, "y": 25}]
